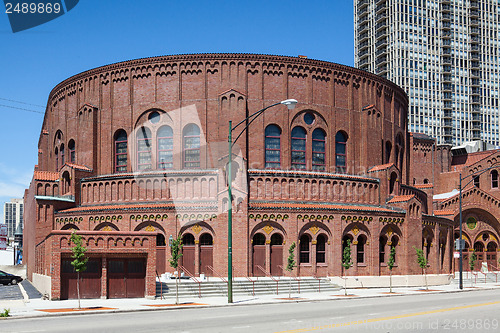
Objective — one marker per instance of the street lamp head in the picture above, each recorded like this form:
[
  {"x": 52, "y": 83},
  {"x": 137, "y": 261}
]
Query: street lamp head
[{"x": 290, "y": 103}]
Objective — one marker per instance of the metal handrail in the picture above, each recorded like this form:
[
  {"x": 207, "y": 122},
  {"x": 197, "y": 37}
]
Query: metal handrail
[
  {"x": 216, "y": 273},
  {"x": 248, "y": 278},
  {"x": 296, "y": 278},
  {"x": 269, "y": 276},
  {"x": 161, "y": 285},
  {"x": 495, "y": 272},
  {"x": 192, "y": 277},
  {"x": 319, "y": 282}
]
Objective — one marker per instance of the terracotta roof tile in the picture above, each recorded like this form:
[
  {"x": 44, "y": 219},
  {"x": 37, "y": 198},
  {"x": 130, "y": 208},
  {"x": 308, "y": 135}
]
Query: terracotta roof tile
[
  {"x": 308, "y": 173},
  {"x": 78, "y": 167},
  {"x": 170, "y": 205},
  {"x": 46, "y": 175},
  {"x": 293, "y": 205},
  {"x": 381, "y": 167},
  {"x": 443, "y": 212},
  {"x": 424, "y": 186},
  {"x": 401, "y": 198}
]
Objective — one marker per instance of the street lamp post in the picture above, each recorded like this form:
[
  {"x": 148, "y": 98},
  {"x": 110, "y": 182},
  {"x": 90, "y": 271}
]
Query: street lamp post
[
  {"x": 290, "y": 103},
  {"x": 460, "y": 243}
]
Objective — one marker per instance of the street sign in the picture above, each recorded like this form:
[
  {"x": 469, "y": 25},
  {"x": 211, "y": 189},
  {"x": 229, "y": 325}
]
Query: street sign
[
  {"x": 3, "y": 243},
  {"x": 460, "y": 244},
  {"x": 456, "y": 255},
  {"x": 3, "y": 230}
]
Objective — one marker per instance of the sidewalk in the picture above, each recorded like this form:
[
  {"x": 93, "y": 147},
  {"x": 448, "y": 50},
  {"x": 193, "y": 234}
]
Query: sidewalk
[{"x": 38, "y": 307}]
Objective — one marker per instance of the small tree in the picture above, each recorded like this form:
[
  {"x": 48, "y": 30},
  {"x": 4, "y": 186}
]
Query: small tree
[
  {"x": 472, "y": 263},
  {"x": 390, "y": 265},
  {"x": 346, "y": 262},
  {"x": 176, "y": 254},
  {"x": 79, "y": 260},
  {"x": 291, "y": 264},
  {"x": 422, "y": 262}
]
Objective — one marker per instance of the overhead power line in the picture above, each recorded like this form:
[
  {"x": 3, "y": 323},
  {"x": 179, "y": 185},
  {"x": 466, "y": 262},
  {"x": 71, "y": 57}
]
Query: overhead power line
[
  {"x": 24, "y": 109},
  {"x": 14, "y": 101}
]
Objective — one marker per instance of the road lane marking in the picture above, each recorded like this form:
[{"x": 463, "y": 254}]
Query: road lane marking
[{"x": 366, "y": 321}]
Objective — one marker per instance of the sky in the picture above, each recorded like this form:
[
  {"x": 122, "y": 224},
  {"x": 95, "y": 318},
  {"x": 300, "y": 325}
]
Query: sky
[{"x": 99, "y": 32}]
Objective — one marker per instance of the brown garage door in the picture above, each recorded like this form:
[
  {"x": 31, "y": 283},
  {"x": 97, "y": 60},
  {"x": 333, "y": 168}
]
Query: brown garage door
[
  {"x": 126, "y": 277},
  {"x": 90, "y": 280}
]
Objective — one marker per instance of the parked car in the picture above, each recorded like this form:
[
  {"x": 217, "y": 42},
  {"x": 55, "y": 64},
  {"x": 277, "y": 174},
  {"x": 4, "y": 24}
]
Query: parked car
[{"x": 7, "y": 278}]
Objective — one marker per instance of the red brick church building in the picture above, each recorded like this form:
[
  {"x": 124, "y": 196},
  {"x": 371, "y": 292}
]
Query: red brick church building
[{"x": 133, "y": 153}]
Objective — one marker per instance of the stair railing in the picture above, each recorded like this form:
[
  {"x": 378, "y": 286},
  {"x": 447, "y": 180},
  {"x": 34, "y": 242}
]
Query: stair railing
[
  {"x": 247, "y": 277},
  {"x": 216, "y": 273},
  {"x": 291, "y": 276},
  {"x": 319, "y": 282},
  {"x": 161, "y": 285},
  {"x": 193, "y": 278},
  {"x": 495, "y": 271},
  {"x": 269, "y": 276}
]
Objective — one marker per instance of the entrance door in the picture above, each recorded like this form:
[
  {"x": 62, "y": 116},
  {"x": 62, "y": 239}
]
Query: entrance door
[
  {"x": 126, "y": 277},
  {"x": 206, "y": 254},
  {"x": 90, "y": 280},
  {"x": 259, "y": 254},
  {"x": 188, "y": 258},
  {"x": 276, "y": 255}
]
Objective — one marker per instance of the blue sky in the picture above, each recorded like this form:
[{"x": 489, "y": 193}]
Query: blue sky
[{"x": 97, "y": 33}]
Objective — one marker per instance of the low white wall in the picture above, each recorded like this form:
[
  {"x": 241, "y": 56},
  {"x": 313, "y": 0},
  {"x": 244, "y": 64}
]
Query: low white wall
[
  {"x": 43, "y": 283},
  {"x": 397, "y": 280}
]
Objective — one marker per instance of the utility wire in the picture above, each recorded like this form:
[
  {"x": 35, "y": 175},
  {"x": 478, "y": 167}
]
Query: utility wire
[
  {"x": 24, "y": 109},
  {"x": 13, "y": 100}
]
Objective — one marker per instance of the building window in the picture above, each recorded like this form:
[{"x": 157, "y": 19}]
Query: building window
[
  {"x": 144, "y": 144},
  {"x": 360, "y": 250},
  {"x": 304, "y": 249},
  {"x": 382, "y": 244},
  {"x": 165, "y": 146},
  {"x": 56, "y": 152},
  {"x": 188, "y": 239},
  {"x": 273, "y": 147},
  {"x": 120, "y": 151},
  {"x": 494, "y": 179},
  {"x": 321, "y": 249},
  {"x": 191, "y": 146},
  {"x": 394, "y": 243},
  {"x": 318, "y": 149},
  {"x": 72, "y": 151},
  {"x": 62, "y": 154},
  {"x": 340, "y": 151},
  {"x": 206, "y": 239},
  {"x": 476, "y": 181},
  {"x": 299, "y": 148}
]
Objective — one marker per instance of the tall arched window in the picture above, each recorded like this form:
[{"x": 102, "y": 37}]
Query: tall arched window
[
  {"x": 56, "y": 153},
  {"x": 394, "y": 243},
  {"x": 191, "y": 139},
  {"x": 304, "y": 254},
  {"x": 360, "y": 249},
  {"x": 388, "y": 150},
  {"x": 165, "y": 147},
  {"x": 121, "y": 151},
  {"x": 298, "y": 148},
  {"x": 318, "y": 149},
  {"x": 144, "y": 144},
  {"x": 476, "y": 181},
  {"x": 340, "y": 151},
  {"x": 72, "y": 151},
  {"x": 321, "y": 249},
  {"x": 381, "y": 249},
  {"x": 188, "y": 239},
  {"x": 273, "y": 147},
  {"x": 494, "y": 179},
  {"x": 62, "y": 155}
]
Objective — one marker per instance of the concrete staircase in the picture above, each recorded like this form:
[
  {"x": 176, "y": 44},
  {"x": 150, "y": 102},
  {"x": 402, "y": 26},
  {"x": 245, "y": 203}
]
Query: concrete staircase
[
  {"x": 263, "y": 286},
  {"x": 490, "y": 277}
]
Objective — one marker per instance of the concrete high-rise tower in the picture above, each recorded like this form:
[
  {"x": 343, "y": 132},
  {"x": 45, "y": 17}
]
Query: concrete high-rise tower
[
  {"x": 445, "y": 54},
  {"x": 13, "y": 215}
]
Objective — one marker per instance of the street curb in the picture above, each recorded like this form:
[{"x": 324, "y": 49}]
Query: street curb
[{"x": 174, "y": 307}]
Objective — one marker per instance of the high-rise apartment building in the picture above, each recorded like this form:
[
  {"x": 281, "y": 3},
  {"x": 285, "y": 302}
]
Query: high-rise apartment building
[
  {"x": 444, "y": 54},
  {"x": 13, "y": 215}
]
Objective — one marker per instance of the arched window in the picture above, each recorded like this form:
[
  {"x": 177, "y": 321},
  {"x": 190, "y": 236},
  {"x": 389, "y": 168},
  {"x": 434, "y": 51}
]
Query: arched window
[
  {"x": 206, "y": 239},
  {"x": 494, "y": 179},
  {"x": 273, "y": 147},
  {"x": 381, "y": 249},
  {"x": 426, "y": 181},
  {"x": 191, "y": 136},
  {"x": 318, "y": 149},
  {"x": 304, "y": 257},
  {"x": 321, "y": 249},
  {"x": 165, "y": 146},
  {"x": 188, "y": 239},
  {"x": 259, "y": 239},
  {"x": 299, "y": 148},
  {"x": 120, "y": 151},
  {"x": 388, "y": 150},
  {"x": 476, "y": 181},
  {"x": 394, "y": 243},
  {"x": 56, "y": 153},
  {"x": 360, "y": 249},
  {"x": 160, "y": 240},
  {"x": 62, "y": 155},
  {"x": 144, "y": 144},
  {"x": 340, "y": 151},
  {"x": 276, "y": 239},
  {"x": 72, "y": 151},
  {"x": 392, "y": 183}
]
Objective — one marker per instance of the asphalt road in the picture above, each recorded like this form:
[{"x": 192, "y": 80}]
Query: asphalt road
[
  {"x": 475, "y": 311},
  {"x": 10, "y": 292}
]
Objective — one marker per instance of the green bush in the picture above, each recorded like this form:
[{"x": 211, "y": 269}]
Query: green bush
[{"x": 5, "y": 313}]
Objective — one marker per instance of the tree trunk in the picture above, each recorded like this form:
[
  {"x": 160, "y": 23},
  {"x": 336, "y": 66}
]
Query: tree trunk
[
  {"x": 390, "y": 280},
  {"x": 425, "y": 278},
  {"x": 78, "y": 288},
  {"x": 290, "y": 287},
  {"x": 345, "y": 285},
  {"x": 177, "y": 288}
]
